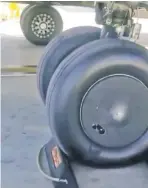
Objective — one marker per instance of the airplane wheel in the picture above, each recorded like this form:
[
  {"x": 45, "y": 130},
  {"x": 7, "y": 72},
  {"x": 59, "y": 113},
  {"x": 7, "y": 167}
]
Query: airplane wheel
[
  {"x": 41, "y": 23},
  {"x": 97, "y": 102},
  {"x": 58, "y": 49}
]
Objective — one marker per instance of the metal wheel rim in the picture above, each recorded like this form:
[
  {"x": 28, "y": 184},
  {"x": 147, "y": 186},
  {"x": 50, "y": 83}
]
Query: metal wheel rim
[{"x": 43, "y": 25}]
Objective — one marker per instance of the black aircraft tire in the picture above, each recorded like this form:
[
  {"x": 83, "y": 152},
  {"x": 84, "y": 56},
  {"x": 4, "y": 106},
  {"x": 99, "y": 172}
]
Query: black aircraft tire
[
  {"x": 41, "y": 23},
  {"x": 83, "y": 75},
  {"x": 59, "y": 48}
]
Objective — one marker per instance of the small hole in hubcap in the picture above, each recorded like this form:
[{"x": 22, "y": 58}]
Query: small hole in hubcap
[{"x": 98, "y": 128}]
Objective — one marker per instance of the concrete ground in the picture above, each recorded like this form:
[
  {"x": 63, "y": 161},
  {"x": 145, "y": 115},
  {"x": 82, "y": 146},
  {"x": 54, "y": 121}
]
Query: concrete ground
[
  {"x": 25, "y": 126},
  {"x": 24, "y": 131}
]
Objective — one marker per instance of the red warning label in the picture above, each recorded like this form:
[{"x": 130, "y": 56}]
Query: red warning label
[{"x": 56, "y": 156}]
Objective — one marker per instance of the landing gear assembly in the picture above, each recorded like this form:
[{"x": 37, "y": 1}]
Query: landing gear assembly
[
  {"x": 40, "y": 23},
  {"x": 117, "y": 18},
  {"x": 96, "y": 94}
]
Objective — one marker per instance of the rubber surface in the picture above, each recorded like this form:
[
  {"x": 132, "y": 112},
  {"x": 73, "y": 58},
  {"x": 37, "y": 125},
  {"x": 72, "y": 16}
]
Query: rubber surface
[
  {"x": 59, "y": 48},
  {"x": 71, "y": 80},
  {"x": 31, "y": 13},
  {"x": 23, "y": 15}
]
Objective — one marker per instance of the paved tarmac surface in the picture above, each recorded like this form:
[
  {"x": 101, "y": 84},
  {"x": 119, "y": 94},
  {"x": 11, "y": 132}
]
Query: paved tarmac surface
[
  {"x": 24, "y": 131},
  {"x": 25, "y": 128}
]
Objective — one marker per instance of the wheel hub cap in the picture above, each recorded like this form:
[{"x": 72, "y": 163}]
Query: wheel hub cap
[
  {"x": 114, "y": 111},
  {"x": 43, "y": 26}
]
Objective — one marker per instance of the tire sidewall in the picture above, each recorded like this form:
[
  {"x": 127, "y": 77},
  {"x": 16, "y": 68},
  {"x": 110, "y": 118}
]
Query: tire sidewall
[{"x": 23, "y": 15}]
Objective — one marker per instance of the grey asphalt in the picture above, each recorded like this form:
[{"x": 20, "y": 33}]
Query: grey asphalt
[
  {"x": 17, "y": 51},
  {"x": 25, "y": 129}
]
